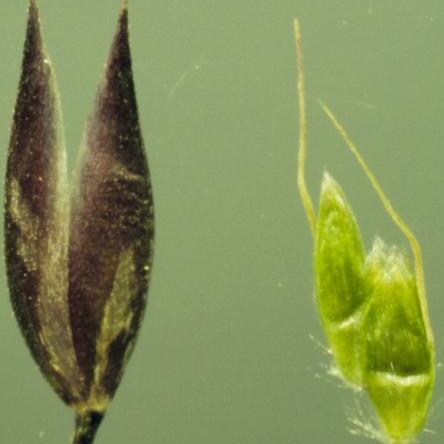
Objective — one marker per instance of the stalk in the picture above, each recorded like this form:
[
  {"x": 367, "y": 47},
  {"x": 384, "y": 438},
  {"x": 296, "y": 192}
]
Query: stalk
[{"x": 87, "y": 424}]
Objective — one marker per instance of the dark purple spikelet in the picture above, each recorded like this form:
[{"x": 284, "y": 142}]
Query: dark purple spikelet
[{"x": 78, "y": 268}]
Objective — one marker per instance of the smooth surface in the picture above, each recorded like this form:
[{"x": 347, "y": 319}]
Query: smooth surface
[{"x": 225, "y": 354}]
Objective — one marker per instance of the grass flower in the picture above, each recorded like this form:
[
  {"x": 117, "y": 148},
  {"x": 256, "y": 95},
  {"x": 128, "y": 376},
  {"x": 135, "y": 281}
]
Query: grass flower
[
  {"x": 78, "y": 262},
  {"x": 372, "y": 306}
]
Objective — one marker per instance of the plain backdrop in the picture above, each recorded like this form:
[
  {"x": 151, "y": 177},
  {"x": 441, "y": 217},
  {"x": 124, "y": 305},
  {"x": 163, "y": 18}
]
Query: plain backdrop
[{"x": 231, "y": 351}]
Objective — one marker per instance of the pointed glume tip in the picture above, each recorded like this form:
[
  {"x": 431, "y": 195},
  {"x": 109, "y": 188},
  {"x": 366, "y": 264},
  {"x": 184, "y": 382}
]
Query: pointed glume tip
[
  {"x": 123, "y": 9},
  {"x": 33, "y": 22},
  {"x": 32, "y": 7},
  {"x": 123, "y": 18}
]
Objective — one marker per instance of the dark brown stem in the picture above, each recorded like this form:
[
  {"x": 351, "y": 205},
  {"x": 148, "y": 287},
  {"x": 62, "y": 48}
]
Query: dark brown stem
[{"x": 87, "y": 424}]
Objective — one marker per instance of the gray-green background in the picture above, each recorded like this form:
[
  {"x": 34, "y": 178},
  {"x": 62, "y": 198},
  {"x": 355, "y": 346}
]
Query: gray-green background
[{"x": 229, "y": 352}]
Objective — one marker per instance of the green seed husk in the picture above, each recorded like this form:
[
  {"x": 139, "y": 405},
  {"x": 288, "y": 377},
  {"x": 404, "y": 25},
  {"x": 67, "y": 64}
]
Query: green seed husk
[
  {"x": 397, "y": 358},
  {"x": 339, "y": 258}
]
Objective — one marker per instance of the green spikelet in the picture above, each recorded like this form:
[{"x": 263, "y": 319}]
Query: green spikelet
[{"x": 373, "y": 310}]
